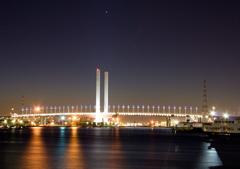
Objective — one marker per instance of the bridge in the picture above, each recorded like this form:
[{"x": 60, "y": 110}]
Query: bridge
[
  {"x": 133, "y": 113},
  {"x": 120, "y": 115},
  {"x": 109, "y": 114}
]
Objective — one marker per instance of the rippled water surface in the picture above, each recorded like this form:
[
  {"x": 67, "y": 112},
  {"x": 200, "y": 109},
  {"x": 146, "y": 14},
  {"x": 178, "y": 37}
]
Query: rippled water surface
[{"x": 102, "y": 148}]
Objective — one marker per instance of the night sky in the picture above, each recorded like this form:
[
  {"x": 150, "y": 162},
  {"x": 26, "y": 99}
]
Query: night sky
[{"x": 156, "y": 52}]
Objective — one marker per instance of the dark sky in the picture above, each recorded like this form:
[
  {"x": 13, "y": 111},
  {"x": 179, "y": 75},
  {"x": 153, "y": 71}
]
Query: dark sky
[{"x": 156, "y": 52}]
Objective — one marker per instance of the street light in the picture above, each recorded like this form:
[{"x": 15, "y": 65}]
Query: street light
[
  {"x": 213, "y": 108},
  {"x": 37, "y": 109},
  {"x": 62, "y": 118},
  {"x": 212, "y": 113},
  {"x": 196, "y": 110},
  {"x": 225, "y": 116},
  {"x": 164, "y": 109},
  {"x": 123, "y": 107}
]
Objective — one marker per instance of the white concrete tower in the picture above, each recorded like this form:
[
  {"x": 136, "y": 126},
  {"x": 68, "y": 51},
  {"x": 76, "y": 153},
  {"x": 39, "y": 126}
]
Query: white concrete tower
[
  {"x": 105, "y": 92},
  {"x": 98, "y": 90}
]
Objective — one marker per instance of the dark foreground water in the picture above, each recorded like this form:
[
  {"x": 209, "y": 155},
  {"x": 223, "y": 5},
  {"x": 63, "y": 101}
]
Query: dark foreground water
[{"x": 101, "y": 148}]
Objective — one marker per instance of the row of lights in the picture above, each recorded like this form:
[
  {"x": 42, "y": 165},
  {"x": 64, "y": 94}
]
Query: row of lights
[
  {"x": 118, "y": 107},
  {"x": 213, "y": 113}
]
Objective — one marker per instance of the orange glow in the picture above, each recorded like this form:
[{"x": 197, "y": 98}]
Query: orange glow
[
  {"x": 36, "y": 153},
  {"x": 74, "y": 118},
  {"x": 37, "y": 109}
]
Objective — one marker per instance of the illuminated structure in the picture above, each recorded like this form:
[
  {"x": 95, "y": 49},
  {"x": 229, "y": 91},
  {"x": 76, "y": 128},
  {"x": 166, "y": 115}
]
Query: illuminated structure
[
  {"x": 120, "y": 113},
  {"x": 105, "y": 92},
  {"x": 99, "y": 115},
  {"x": 98, "y": 90}
]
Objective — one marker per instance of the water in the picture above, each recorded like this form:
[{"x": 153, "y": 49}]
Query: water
[{"x": 101, "y": 148}]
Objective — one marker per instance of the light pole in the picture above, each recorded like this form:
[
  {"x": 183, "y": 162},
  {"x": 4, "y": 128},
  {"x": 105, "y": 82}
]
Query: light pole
[
  {"x": 164, "y": 109},
  {"x": 123, "y": 107},
  {"x": 213, "y": 113},
  {"x": 191, "y": 110},
  {"x": 196, "y": 108},
  {"x": 138, "y": 108},
  {"x": 153, "y": 108},
  {"x": 128, "y": 108},
  {"x": 133, "y": 107},
  {"x": 158, "y": 107},
  {"x": 180, "y": 110},
  {"x": 143, "y": 108},
  {"x": 148, "y": 107}
]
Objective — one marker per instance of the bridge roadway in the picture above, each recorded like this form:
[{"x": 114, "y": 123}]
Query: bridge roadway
[{"x": 110, "y": 114}]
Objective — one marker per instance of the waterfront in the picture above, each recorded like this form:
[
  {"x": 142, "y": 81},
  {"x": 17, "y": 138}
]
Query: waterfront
[{"x": 102, "y": 148}]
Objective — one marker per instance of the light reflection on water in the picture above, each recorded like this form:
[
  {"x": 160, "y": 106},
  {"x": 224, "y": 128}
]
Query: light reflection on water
[
  {"x": 74, "y": 157},
  {"x": 70, "y": 148},
  {"x": 35, "y": 156},
  {"x": 209, "y": 157}
]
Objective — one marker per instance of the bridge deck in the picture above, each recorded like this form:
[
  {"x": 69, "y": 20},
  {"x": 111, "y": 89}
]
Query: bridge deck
[{"x": 105, "y": 114}]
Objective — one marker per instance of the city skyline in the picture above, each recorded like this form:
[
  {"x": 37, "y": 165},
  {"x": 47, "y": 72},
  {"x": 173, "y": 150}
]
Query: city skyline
[{"x": 157, "y": 53}]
